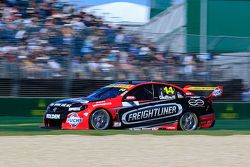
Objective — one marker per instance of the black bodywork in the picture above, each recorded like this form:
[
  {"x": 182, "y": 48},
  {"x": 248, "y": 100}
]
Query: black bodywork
[
  {"x": 162, "y": 112},
  {"x": 61, "y": 108}
]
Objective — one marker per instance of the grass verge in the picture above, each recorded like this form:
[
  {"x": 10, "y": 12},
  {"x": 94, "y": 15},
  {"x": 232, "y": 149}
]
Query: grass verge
[{"x": 22, "y": 126}]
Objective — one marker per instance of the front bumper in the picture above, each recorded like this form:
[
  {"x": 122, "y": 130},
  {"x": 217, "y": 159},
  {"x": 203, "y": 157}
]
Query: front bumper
[
  {"x": 73, "y": 120},
  {"x": 54, "y": 123}
]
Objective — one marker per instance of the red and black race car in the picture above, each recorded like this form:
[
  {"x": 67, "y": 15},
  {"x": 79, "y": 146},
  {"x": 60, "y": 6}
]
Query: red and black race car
[{"x": 135, "y": 105}]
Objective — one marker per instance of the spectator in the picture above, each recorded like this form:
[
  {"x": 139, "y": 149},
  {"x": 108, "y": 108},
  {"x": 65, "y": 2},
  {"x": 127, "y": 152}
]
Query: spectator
[
  {"x": 45, "y": 35},
  {"x": 246, "y": 95},
  {"x": 188, "y": 66}
]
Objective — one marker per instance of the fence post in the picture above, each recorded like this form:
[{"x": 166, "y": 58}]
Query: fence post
[
  {"x": 15, "y": 79},
  {"x": 69, "y": 76},
  {"x": 248, "y": 79}
]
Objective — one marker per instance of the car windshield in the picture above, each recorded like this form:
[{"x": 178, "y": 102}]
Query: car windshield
[{"x": 107, "y": 92}]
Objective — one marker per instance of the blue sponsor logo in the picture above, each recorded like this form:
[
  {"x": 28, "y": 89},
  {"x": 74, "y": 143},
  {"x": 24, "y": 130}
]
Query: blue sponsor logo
[
  {"x": 217, "y": 92},
  {"x": 74, "y": 119}
]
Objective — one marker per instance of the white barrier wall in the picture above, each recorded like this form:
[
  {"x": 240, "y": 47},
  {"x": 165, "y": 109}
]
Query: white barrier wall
[{"x": 167, "y": 29}]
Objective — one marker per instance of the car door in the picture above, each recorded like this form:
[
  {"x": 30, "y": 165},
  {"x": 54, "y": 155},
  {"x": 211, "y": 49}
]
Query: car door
[
  {"x": 167, "y": 94},
  {"x": 152, "y": 108}
]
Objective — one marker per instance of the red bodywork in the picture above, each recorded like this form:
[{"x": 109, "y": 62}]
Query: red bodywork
[
  {"x": 108, "y": 105},
  {"x": 80, "y": 119},
  {"x": 207, "y": 121}
]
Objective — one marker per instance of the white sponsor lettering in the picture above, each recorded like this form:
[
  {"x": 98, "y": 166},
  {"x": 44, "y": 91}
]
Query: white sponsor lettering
[
  {"x": 53, "y": 116},
  {"x": 150, "y": 113},
  {"x": 60, "y": 105},
  {"x": 167, "y": 97},
  {"x": 63, "y": 105},
  {"x": 74, "y": 119},
  {"x": 117, "y": 124},
  {"x": 102, "y": 104},
  {"x": 196, "y": 102},
  {"x": 75, "y": 109}
]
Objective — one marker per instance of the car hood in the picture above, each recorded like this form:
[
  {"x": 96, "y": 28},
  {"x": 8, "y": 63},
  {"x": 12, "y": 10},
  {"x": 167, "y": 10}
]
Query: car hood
[{"x": 83, "y": 100}]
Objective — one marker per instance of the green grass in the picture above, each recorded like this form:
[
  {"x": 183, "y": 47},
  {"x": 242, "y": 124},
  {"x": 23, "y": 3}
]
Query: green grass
[{"x": 21, "y": 126}]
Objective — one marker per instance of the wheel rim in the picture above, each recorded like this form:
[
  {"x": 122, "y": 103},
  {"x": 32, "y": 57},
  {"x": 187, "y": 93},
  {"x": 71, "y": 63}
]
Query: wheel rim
[
  {"x": 189, "y": 121},
  {"x": 100, "y": 120}
]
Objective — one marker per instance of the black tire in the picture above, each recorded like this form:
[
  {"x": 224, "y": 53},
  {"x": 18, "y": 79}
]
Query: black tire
[
  {"x": 188, "y": 121},
  {"x": 100, "y": 120}
]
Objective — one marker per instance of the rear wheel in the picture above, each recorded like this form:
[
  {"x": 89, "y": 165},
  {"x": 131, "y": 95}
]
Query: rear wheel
[
  {"x": 188, "y": 121},
  {"x": 100, "y": 119}
]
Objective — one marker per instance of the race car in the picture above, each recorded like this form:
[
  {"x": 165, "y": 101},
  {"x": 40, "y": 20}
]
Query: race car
[{"x": 135, "y": 105}]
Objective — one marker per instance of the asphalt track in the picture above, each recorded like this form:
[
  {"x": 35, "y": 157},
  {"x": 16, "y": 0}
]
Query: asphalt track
[
  {"x": 125, "y": 150},
  {"x": 24, "y": 144}
]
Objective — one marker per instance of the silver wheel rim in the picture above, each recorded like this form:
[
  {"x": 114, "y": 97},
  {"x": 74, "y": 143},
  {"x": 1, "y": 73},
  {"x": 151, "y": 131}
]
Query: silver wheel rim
[
  {"x": 188, "y": 121},
  {"x": 100, "y": 120}
]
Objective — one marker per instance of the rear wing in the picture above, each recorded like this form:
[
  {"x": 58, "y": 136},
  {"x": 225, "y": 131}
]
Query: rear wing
[{"x": 216, "y": 91}]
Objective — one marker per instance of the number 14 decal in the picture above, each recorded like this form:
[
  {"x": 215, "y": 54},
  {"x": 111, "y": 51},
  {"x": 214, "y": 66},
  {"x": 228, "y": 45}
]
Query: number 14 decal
[{"x": 169, "y": 90}]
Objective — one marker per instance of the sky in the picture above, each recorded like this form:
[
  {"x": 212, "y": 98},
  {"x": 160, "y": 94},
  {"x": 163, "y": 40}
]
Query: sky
[{"x": 99, "y": 2}]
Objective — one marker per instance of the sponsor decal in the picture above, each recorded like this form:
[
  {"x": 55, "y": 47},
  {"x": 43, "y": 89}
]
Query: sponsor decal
[
  {"x": 217, "y": 92},
  {"x": 167, "y": 93},
  {"x": 74, "y": 119},
  {"x": 53, "y": 116},
  {"x": 196, "y": 102},
  {"x": 63, "y": 105},
  {"x": 167, "y": 97},
  {"x": 169, "y": 90},
  {"x": 150, "y": 113},
  {"x": 54, "y": 109},
  {"x": 100, "y": 101},
  {"x": 117, "y": 124},
  {"x": 130, "y": 98},
  {"x": 75, "y": 109},
  {"x": 102, "y": 104},
  {"x": 59, "y": 105},
  {"x": 170, "y": 128},
  {"x": 194, "y": 97}
]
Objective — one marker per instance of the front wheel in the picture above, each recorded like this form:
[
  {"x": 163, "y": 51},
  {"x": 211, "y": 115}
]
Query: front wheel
[
  {"x": 100, "y": 119},
  {"x": 188, "y": 121}
]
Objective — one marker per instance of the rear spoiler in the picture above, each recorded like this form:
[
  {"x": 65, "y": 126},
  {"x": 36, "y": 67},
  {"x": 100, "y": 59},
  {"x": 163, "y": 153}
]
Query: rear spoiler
[{"x": 216, "y": 91}]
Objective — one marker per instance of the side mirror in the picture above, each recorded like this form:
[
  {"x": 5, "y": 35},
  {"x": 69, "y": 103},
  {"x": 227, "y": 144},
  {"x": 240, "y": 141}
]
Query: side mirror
[{"x": 130, "y": 98}]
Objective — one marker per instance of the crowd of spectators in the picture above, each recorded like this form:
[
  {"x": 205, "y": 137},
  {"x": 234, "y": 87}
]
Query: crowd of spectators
[{"x": 48, "y": 39}]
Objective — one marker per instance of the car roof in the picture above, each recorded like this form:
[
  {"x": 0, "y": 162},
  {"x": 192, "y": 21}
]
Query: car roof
[
  {"x": 146, "y": 82},
  {"x": 131, "y": 82},
  {"x": 138, "y": 83}
]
